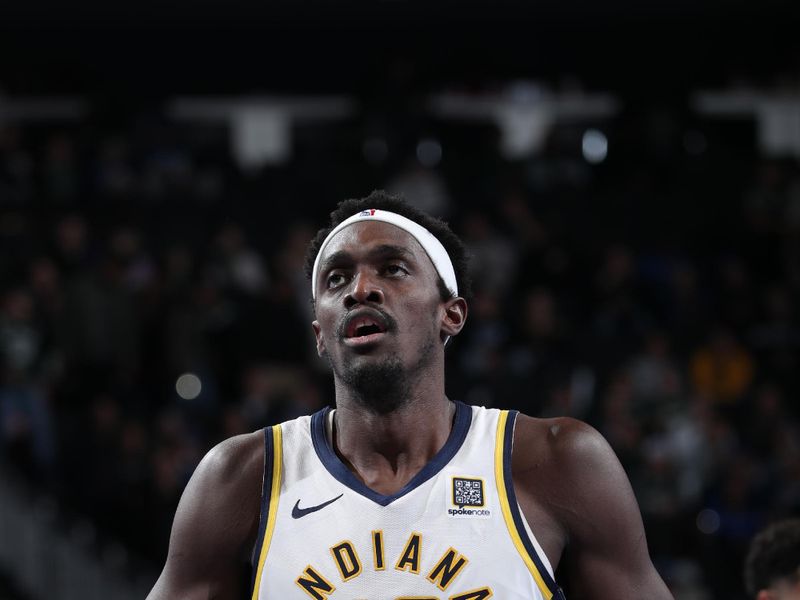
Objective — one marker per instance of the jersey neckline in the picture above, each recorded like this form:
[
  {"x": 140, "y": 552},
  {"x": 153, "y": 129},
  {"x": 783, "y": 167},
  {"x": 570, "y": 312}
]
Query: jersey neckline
[{"x": 335, "y": 466}]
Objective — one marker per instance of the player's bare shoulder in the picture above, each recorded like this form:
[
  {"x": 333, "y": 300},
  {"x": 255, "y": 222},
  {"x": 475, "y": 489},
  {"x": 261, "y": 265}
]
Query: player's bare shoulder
[
  {"x": 570, "y": 455},
  {"x": 226, "y": 488},
  {"x": 568, "y": 478},
  {"x": 543, "y": 447},
  {"x": 236, "y": 460}
]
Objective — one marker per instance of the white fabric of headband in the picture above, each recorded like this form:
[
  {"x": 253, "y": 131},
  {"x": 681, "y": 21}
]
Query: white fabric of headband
[{"x": 432, "y": 246}]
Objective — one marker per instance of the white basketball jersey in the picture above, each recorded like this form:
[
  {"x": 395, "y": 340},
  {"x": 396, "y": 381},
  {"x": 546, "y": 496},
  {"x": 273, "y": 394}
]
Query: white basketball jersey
[{"x": 454, "y": 532}]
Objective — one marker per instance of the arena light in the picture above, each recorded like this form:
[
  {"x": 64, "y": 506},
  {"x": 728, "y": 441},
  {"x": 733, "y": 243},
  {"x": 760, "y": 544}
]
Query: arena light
[
  {"x": 261, "y": 127},
  {"x": 594, "y": 146},
  {"x": 776, "y": 113},
  {"x": 188, "y": 386},
  {"x": 525, "y": 113}
]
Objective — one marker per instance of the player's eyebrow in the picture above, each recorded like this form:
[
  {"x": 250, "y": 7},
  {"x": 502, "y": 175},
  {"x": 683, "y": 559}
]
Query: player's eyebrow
[
  {"x": 390, "y": 251},
  {"x": 382, "y": 252},
  {"x": 336, "y": 259}
]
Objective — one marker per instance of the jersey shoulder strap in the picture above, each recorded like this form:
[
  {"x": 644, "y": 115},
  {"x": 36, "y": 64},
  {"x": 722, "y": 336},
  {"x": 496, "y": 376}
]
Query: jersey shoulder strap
[{"x": 512, "y": 515}]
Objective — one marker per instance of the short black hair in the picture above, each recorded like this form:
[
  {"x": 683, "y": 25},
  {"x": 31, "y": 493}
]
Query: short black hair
[
  {"x": 384, "y": 201},
  {"x": 774, "y": 555}
]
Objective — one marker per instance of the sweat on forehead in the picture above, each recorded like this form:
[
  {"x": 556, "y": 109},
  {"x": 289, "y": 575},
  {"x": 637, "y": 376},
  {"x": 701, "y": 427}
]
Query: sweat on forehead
[{"x": 432, "y": 246}]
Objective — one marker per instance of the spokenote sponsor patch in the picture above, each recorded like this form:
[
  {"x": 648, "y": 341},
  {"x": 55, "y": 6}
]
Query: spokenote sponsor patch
[{"x": 466, "y": 497}]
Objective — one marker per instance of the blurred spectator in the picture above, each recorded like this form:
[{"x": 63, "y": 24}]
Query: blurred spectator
[
  {"x": 493, "y": 256},
  {"x": 114, "y": 174},
  {"x": 735, "y": 502},
  {"x": 736, "y": 296},
  {"x": 71, "y": 244},
  {"x": 687, "y": 306},
  {"x": 235, "y": 265},
  {"x": 722, "y": 369},
  {"x": 655, "y": 378},
  {"x": 619, "y": 320},
  {"x": 16, "y": 167},
  {"x": 422, "y": 185},
  {"x": 25, "y": 422},
  {"x": 481, "y": 350},
  {"x": 137, "y": 269},
  {"x": 775, "y": 337},
  {"x": 271, "y": 394},
  {"x": 101, "y": 321}
]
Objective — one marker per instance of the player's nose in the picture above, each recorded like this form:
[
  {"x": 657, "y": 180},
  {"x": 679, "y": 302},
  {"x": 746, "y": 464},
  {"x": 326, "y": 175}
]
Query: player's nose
[{"x": 364, "y": 288}]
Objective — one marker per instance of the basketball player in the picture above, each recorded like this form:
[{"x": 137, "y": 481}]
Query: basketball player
[
  {"x": 400, "y": 492},
  {"x": 772, "y": 567}
]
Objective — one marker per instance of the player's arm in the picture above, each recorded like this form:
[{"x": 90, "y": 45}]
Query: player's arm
[
  {"x": 215, "y": 525},
  {"x": 590, "y": 498}
]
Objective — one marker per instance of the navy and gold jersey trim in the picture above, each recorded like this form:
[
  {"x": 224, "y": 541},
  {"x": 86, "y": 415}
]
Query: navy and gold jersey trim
[
  {"x": 511, "y": 513},
  {"x": 336, "y": 467},
  {"x": 266, "y": 486},
  {"x": 270, "y": 493}
]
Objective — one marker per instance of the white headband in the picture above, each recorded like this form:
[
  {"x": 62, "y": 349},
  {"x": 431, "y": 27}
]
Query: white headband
[{"x": 432, "y": 246}]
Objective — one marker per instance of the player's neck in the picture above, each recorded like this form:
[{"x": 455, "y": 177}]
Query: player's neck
[{"x": 386, "y": 450}]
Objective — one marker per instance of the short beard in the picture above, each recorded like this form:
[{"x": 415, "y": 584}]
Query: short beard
[
  {"x": 379, "y": 388},
  {"x": 385, "y": 387}
]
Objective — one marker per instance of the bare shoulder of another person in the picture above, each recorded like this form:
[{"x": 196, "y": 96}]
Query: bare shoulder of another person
[
  {"x": 216, "y": 524},
  {"x": 568, "y": 478}
]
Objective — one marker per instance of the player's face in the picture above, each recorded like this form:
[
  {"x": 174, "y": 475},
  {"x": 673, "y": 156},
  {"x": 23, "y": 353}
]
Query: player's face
[{"x": 378, "y": 304}]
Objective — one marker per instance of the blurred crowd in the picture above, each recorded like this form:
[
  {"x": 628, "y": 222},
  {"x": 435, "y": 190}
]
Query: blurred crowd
[{"x": 152, "y": 303}]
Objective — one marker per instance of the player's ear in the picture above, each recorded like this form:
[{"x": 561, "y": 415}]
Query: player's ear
[
  {"x": 318, "y": 335},
  {"x": 455, "y": 315}
]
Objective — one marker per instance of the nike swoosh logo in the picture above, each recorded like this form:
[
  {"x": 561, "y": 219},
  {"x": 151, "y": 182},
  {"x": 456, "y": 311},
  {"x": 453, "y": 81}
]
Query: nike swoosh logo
[{"x": 298, "y": 512}]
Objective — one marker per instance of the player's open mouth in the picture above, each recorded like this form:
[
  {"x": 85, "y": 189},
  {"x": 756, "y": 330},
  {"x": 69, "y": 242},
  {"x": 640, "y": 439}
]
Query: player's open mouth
[{"x": 364, "y": 328}]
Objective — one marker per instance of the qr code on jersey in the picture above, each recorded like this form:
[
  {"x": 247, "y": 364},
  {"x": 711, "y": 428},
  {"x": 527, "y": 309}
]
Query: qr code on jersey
[{"x": 467, "y": 492}]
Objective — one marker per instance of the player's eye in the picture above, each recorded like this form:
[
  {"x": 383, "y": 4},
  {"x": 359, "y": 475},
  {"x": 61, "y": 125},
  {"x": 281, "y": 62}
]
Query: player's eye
[
  {"x": 335, "y": 280},
  {"x": 395, "y": 270}
]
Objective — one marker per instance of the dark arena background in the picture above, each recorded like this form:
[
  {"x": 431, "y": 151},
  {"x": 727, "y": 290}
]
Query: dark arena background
[{"x": 625, "y": 174}]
